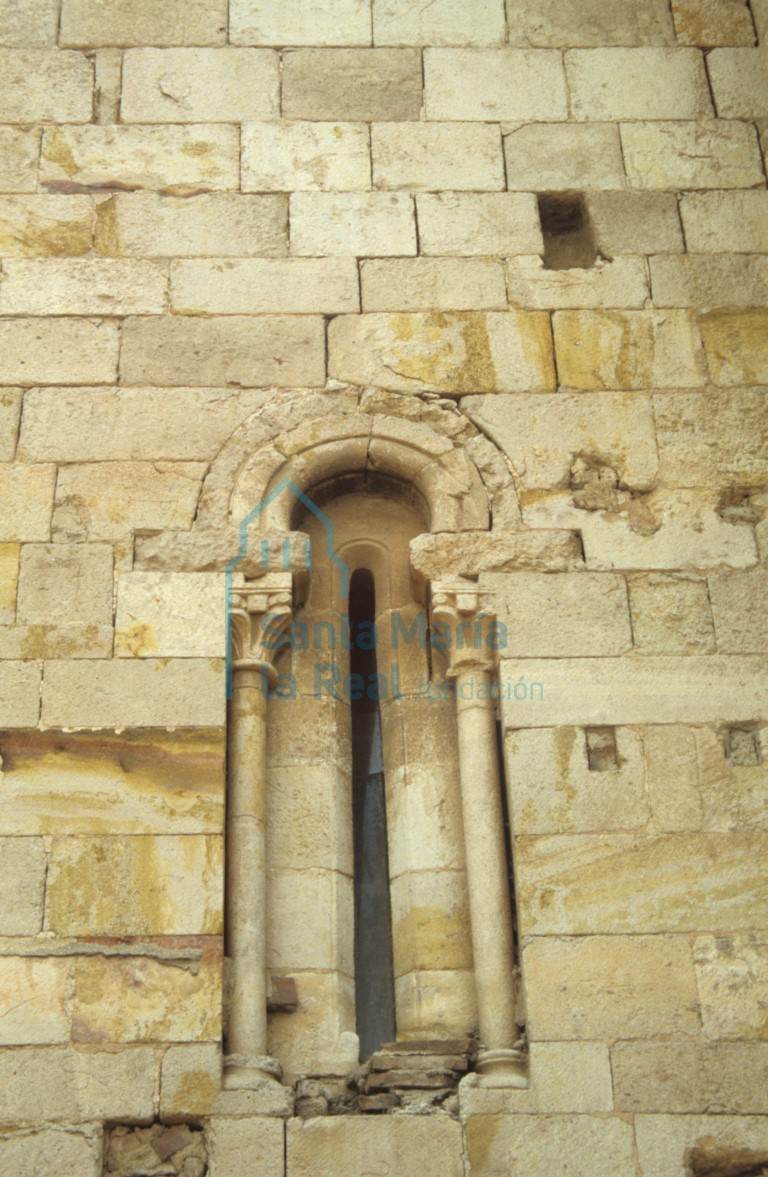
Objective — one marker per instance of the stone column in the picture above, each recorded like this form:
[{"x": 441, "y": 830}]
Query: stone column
[
  {"x": 457, "y": 608},
  {"x": 260, "y": 612}
]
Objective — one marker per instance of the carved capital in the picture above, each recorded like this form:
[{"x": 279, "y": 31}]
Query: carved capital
[
  {"x": 260, "y": 611},
  {"x": 463, "y": 625}
]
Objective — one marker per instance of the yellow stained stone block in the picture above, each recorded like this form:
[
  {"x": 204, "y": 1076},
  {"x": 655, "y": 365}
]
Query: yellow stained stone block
[
  {"x": 9, "y": 578},
  {"x": 627, "y": 349},
  {"x": 736, "y": 344},
  {"x": 35, "y": 1002}
]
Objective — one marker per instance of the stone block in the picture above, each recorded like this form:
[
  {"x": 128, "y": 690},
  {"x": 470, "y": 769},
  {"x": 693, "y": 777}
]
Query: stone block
[
  {"x": 145, "y": 224},
  {"x": 553, "y": 790},
  {"x": 344, "y": 1146},
  {"x": 635, "y": 222},
  {"x": 228, "y": 1141},
  {"x": 438, "y": 555},
  {"x": 305, "y": 156},
  {"x": 647, "y": 83},
  {"x": 318, "y": 1037},
  {"x": 308, "y": 827},
  {"x": 740, "y": 609},
  {"x": 609, "y": 691},
  {"x": 431, "y": 156},
  {"x": 170, "y": 615},
  {"x": 26, "y": 493},
  {"x": 45, "y": 226},
  {"x": 199, "y": 85},
  {"x": 732, "y": 979},
  {"x": 58, "y": 351},
  {"x": 705, "y": 154},
  {"x": 190, "y": 1080},
  {"x": 690, "y": 1077},
  {"x": 736, "y": 345},
  {"x": 732, "y": 221},
  {"x": 708, "y": 440},
  {"x": 109, "y": 500},
  {"x": 22, "y": 881},
  {"x": 579, "y": 884},
  {"x": 76, "y": 1085},
  {"x": 83, "y": 287},
  {"x": 68, "y": 640},
  {"x": 673, "y": 778},
  {"x": 134, "y": 783},
  {"x": 10, "y": 418},
  {"x": 259, "y": 22},
  {"x": 136, "y": 999},
  {"x": 709, "y": 23},
  {"x": 35, "y": 1002},
  {"x": 374, "y": 223},
  {"x": 709, "y": 280},
  {"x": 435, "y": 1002},
  {"x": 731, "y": 793},
  {"x": 43, "y": 85},
  {"x": 470, "y": 223},
  {"x": 490, "y": 84},
  {"x": 19, "y": 153},
  {"x": 598, "y": 987},
  {"x": 627, "y": 349},
  {"x": 446, "y": 22},
  {"x": 32, "y": 24},
  {"x": 185, "y": 160},
  {"x": 65, "y": 1152},
  {"x": 65, "y": 583},
  {"x": 286, "y": 351},
  {"x": 588, "y": 22},
  {"x": 559, "y": 156},
  {"x": 549, "y": 1146},
  {"x": 322, "y": 899},
  {"x": 353, "y": 85},
  {"x": 542, "y": 434},
  {"x": 671, "y": 615},
  {"x": 9, "y": 582},
  {"x": 430, "y": 922},
  {"x": 182, "y": 692},
  {"x": 140, "y": 886},
  {"x": 664, "y": 1142},
  {"x": 252, "y": 286},
  {"x": 563, "y": 1077},
  {"x": 89, "y": 23},
  {"x": 561, "y": 616},
  {"x": 423, "y": 284},
  {"x": 739, "y": 83},
  {"x": 446, "y": 352},
  {"x": 618, "y": 283},
  {"x": 109, "y": 66}
]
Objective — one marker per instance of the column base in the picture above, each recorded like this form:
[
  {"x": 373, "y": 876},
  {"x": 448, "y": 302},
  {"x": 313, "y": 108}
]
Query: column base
[
  {"x": 502, "y": 1068},
  {"x": 249, "y": 1072}
]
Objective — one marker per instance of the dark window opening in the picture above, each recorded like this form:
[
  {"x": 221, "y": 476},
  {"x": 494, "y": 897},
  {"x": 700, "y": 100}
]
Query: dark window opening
[{"x": 569, "y": 242}]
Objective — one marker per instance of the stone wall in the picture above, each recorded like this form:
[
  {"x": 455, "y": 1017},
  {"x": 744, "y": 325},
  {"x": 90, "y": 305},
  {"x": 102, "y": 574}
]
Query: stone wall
[{"x": 535, "y": 239}]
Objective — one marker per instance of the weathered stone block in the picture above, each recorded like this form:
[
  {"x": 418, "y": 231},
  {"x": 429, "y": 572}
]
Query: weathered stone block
[
  {"x": 736, "y": 344},
  {"x": 144, "y": 22},
  {"x": 564, "y": 155},
  {"x": 199, "y": 85},
  {"x": 452, "y": 353},
  {"x": 423, "y": 284},
  {"x": 637, "y": 84},
  {"x": 618, "y": 283},
  {"x": 69, "y": 640},
  {"x": 22, "y": 876},
  {"x": 64, "y": 1152},
  {"x": 708, "y": 440},
  {"x": 109, "y": 500},
  {"x": 709, "y": 23},
  {"x": 26, "y": 493},
  {"x": 740, "y": 609},
  {"x": 579, "y": 884},
  {"x": 144, "y": 224},
  {"x": 440, "y": 555},
  {"x": 45, "y": 85},
  {"x": 322, "y": 898},
  {"x": 706, "y": 154},
  {"x": 673, "y": 778},
  {"x": 140, "y": 886},
  {"x": 478, "y": 223},
  {"x": 31, "y": 24},
  {"x": 58, "y": 351},
  {"x": 397, "y": 22},
  {"x": 83, "y": 287},
  {"x": 731, "y": 793},
  {"x": 732, "y": 979},
  {"x": 664, "y": 1142},
  {"x": 733, "y": 221},
  {"x": 343, "y": 1146},
  {"x": 170, "y": 614},
  {"x": 265, "y": 285},
  {"x": 181, "y": 159},
  {"x": 183, "y": 692},
  {"x": 610, "y": 987},
  {"x": 318, "y": 1037},
  {"x": 76, "y": 1085},
  {"x": 35, "y": 1002},
  {"x": 545, "y": 1146},
  {"x": 553, "y": 790},
  {"x": 65, "y": 583},
  {"x": 627, "y": 349},
  {"x": 690, "y": 1077},
  {"x": 671, "y": 615},
  {"x": 573, "y": 614},
  {"x": 708, "y": 280},
  {"x": 563, "y": 1077},
  {"x": 375, "y": 223},
  {"x": 487, "y": 84},
  {"x": 10, "y": 417},
  {"x": 19, "y": 153},
  {"x": 284, "y": 351},
  {"x": 430, "y": 922},
  {"x": 739, "y": 82},
  {"x": 635, "y": 222},
  {"x": 258, "y": 22},
  {"x": 354, "y": 85},
  {"x": 228, "y": 1141},
  {"x": 42, "y": 226},
  {"x": 308, "y": 827},
  {"x": 190, "y": 1080},
  {"x": 9, "y": 582},
  {"x": 437, "y": 155},
  {"x": 588, "y": 22},
  {"x": 299, "y": 156}
]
